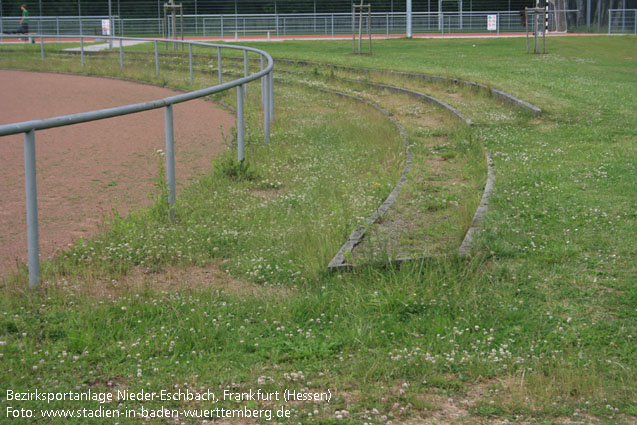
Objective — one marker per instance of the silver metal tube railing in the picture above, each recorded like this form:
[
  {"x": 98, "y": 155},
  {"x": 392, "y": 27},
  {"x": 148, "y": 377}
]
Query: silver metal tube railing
[{"x": 29, "y": 128}]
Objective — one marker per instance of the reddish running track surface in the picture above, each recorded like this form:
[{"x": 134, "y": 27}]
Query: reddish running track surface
[{"x": 86, "y": 170}]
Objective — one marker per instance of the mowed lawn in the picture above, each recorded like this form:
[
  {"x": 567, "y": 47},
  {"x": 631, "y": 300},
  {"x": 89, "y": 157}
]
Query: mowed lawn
[{"x": 539, "y": 326}]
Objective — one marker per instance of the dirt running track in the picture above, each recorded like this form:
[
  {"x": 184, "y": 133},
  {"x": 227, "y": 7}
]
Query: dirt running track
[{"x": 86, "y": 170}]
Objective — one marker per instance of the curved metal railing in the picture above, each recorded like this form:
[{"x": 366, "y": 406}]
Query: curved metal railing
[{"x": 30, "y": 127}]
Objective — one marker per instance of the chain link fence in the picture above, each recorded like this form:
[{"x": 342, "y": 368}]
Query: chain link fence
[{"x": 324, "y": 25}]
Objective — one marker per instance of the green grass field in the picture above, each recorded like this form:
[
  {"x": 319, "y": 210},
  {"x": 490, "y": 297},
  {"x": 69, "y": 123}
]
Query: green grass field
[{"x": 538, "y": 326}]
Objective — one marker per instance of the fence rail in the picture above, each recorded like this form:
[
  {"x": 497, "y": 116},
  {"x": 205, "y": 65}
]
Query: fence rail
[
  {"x": 282, "y": 25},
  {"x": 29, "y": 128}
]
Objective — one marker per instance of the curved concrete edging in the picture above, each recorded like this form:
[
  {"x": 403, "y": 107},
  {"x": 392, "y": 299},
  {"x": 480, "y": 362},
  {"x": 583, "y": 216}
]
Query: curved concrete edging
[
  {"x": 497, "y": 93},
  {"x": 481, "y": 211},
  {"x": 339, "y": 262},
  {"x": 413, "y": 93},
  {"x": 419, "y": 95}
]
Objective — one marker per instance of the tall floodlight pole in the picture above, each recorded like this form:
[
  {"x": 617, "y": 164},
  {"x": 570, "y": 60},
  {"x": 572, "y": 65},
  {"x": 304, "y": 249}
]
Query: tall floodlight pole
[
  {"x": 40, "y": 20},
  {"x": 588, "y": 15},
  {"x": 408, "y": 18}
]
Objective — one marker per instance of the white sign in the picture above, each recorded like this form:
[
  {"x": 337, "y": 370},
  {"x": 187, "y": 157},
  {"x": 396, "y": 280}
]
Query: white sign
[
  {"x": 106, "y": 27},
  {"x": 492, "y": 22}
]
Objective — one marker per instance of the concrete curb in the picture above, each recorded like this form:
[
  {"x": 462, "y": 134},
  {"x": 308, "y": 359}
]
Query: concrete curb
[
  {"x": 481, "y": 211},
  {"x": 339, "y": 262},
  {"x": 497, "y": 93}
]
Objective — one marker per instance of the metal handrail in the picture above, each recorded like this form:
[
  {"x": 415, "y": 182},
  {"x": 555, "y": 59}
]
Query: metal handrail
[
  {"x": 30, "y": 127},
  {"x": 22, "y": 127}
]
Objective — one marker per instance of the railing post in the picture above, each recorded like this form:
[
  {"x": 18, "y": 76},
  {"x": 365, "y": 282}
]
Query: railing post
[
  {"x": 42, "y": 47},
  {"x": 332, "y": 25},
  {"x": 156, "y": 59},
  {"x": 245, "y": 69},
  {"x": 271, "y": 95},
  {"x": 262, "y": 83},
  {"x": 266, "y": 104},
  {"x": 240, "y": 124},
  {"x": 190, "y": 62},
  {"x": 219, "y": 64},
  {"x": 121, "y": 53},
  {"x": 32, "y": 209},
  {"x": 266, "y": 118},
  {"x": 170, "y": 159},
  {"x": 610, "y": 14},
  {"x": 82, "y": 51},
  {"x": 57, "y": 27}
]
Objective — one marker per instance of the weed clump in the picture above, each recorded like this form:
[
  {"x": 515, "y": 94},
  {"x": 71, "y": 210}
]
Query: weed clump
[{"x": 227, "y": 167}]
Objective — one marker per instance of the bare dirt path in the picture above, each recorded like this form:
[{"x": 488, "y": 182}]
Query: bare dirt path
[{"x": 86, "y": 170}]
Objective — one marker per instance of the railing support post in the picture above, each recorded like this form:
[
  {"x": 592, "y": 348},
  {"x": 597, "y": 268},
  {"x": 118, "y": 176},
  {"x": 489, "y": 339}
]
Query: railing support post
[
  {"x": 266, "y": 115},
  {"x": 170, "y": 159},
  {"x": 271, "y": 96},
  {"x": 42, "y": 47},
  {"x": 121, "y": 53},
  {"x": 82, "y": 51},
  {"x": 156, "y": 59},
  {"x": 240, "y": 125},
  {"x": 32, "y": 209},
  {"x": 263, "y": 87},
  {"x": 190, "y": 62},
  {"x": 265, "y": 90},
  {"x": 245, "y": 69},
  {"x": 219, "y": 64}
]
